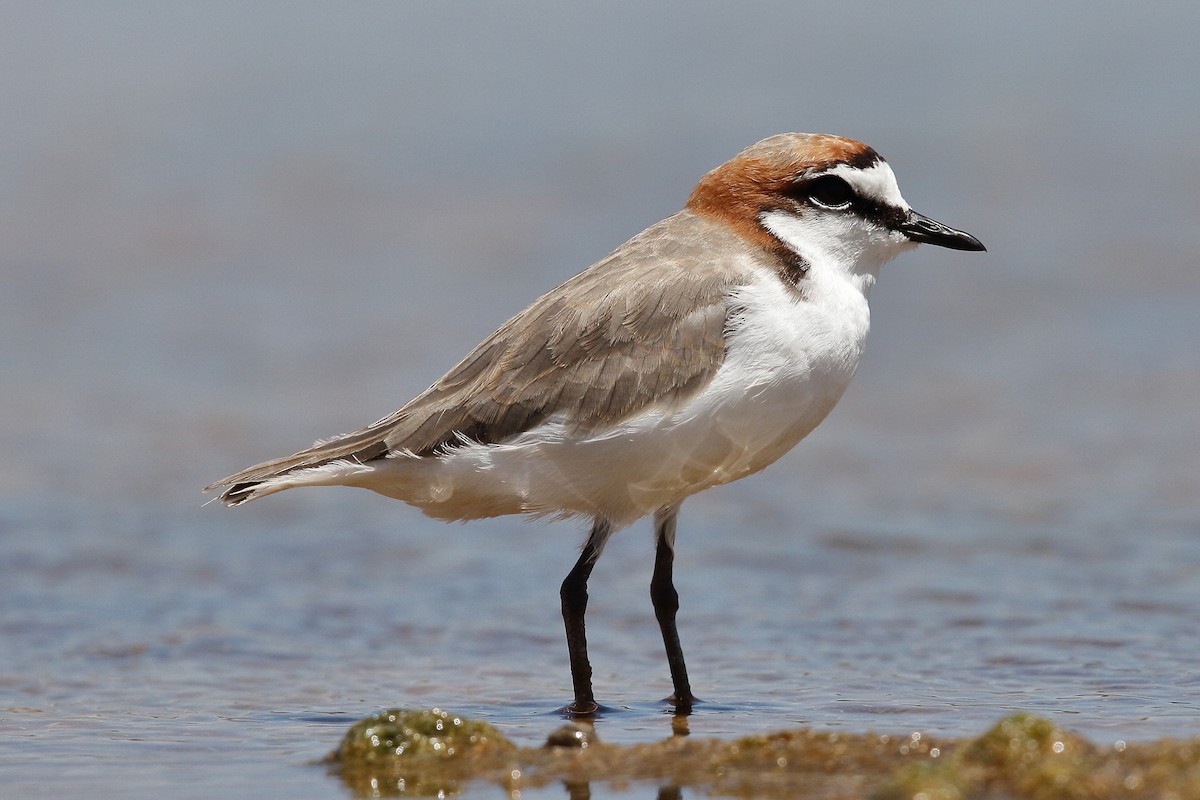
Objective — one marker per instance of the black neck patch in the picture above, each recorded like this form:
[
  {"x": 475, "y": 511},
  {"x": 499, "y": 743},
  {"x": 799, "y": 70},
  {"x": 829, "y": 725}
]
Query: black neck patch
[{"x": 795, "y": 266}]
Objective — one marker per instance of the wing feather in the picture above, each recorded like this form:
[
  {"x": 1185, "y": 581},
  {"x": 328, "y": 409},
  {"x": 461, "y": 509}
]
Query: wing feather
[{"x": 644, "y": 326}]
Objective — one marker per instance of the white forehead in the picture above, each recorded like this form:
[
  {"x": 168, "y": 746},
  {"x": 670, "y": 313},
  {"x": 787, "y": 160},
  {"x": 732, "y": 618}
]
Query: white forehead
[{"x": 877, "y": 182}]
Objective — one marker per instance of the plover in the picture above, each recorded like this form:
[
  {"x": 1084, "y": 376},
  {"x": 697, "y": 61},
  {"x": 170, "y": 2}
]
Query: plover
[{"x": 696, "y": 353}]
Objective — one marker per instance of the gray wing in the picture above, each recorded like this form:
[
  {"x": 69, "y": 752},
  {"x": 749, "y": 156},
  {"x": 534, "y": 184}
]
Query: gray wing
[{"x": 644, "y": 326}]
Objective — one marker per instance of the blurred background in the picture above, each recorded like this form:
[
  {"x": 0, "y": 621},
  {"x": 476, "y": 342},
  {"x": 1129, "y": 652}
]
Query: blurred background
[{"x": 229, "y": 229}]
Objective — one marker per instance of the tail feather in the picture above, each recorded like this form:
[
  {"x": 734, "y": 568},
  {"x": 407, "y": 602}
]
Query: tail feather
[
  {"x": 267, "y": 478},
  {"x": 238, "y": 493}
]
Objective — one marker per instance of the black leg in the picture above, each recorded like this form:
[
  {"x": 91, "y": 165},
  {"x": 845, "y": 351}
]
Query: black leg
[
  {"x": 666, "y": 604},
  {"x": 574, "y": 604}
]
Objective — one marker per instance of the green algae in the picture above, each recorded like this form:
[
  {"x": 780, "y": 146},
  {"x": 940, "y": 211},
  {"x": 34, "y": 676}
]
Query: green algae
[
  {"x": 1032, "y": 759},
  {"x": 418, "y": 733},
  {"x": 432, "y": 753},
  {"x": 423, "y": 753}
]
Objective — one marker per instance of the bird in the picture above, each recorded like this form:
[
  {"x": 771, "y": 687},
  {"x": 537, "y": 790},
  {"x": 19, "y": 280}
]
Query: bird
[{"x": 695, "y": 354}]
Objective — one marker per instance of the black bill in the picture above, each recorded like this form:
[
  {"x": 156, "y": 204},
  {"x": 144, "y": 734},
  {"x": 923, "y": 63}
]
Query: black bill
[{"x": 920, "y": 228}]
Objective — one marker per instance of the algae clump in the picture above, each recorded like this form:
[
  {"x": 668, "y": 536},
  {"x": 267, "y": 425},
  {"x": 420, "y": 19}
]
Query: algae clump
[
  {"x": 432, "y": 752},
  {"x": 418, "y": 733},
  {"x": 419, "y": 752},
  {"x": 1031, "y": 758}
]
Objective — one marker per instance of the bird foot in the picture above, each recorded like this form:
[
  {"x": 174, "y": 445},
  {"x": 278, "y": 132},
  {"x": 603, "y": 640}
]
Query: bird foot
[{"x": 580, "y": 709}]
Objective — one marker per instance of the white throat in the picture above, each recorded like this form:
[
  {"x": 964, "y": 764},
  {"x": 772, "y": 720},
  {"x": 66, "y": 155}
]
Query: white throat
[
  {"x": 840, "y": 242},
  {"x": 837, "y": 243}
]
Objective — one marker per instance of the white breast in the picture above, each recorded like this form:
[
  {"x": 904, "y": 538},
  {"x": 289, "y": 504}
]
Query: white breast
[{"x": 789, "y": 358}]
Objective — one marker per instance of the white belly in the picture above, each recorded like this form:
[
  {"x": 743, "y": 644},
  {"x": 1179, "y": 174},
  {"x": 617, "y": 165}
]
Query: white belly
[{"x": 788, "y": 361}]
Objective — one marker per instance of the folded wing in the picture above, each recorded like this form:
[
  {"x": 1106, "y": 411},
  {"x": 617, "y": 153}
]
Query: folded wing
[{"x": 644, "y": 326}]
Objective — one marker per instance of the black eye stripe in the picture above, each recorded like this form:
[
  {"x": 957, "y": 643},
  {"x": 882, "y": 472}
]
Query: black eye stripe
[{"x": 801, "y": 191}]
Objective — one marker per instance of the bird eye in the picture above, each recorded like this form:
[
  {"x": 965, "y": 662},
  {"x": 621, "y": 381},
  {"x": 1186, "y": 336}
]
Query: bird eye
[{"x": 830, "y": 191}]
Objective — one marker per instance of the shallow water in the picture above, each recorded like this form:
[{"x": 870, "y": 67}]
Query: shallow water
[{"x": 215, "y": 252}]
